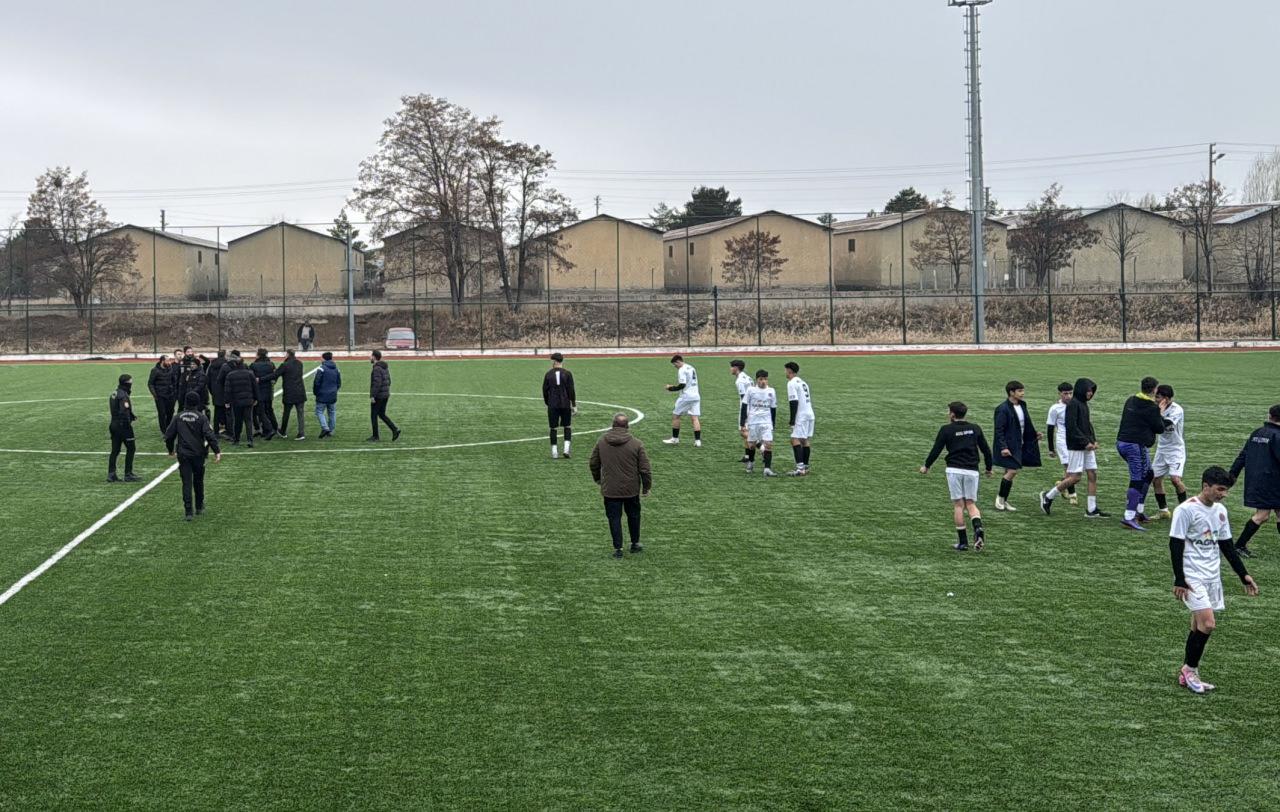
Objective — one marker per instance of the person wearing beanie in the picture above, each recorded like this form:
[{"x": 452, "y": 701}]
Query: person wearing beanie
[
  {"x": 121, "y": 429},
  {"x": 189, "y": 438},
  {"x": 379, "y": 394},
  {"x": 1260, "y": 462}
]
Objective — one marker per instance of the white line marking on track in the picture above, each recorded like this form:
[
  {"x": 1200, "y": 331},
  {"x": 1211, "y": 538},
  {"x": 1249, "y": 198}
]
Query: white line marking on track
[
  {"x": 43, "y": 400},
  {"x": 96, "y": 526}
]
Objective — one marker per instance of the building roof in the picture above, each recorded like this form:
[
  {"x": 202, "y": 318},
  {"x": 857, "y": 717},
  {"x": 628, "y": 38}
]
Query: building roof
[
  {"x": 607, "y": 218},
  {"x": 306, "y": 231},
  {"x": 169, "y": 235},
  {"x": 1231, "y": 215},
  {"x": 403, "y": 233},
  {"x": 879, "y": 221},
  {"x": 1014, "y": 221},
  {"x": 716, "y": 225}
]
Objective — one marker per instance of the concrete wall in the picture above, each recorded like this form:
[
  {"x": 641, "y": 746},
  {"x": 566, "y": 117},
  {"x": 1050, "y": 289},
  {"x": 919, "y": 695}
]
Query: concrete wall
[{"x": 311, "y": 262}]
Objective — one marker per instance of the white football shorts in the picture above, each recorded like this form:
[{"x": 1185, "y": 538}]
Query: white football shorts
[
  {"x": 759, "y": 434},
  {"x": 803, "y": 429},
  {"x": 689, "y": 406},
  {"x": 1205, "y": 595},
  {"x": 1079, "y": 461},
  {"x": 1168, "y": 464},
  {"x": 963, "y": 484},
  {"x": 1060, "y": 448}
]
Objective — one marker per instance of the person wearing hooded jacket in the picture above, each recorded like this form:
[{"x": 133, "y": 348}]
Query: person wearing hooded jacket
[
  {"x": 379, "y": 394},
  {"x": 240, "y": 390},
  {"x": 620, "y": 466},
  {"x": 223, "y": 372},
  {"x": 121, "y": 429},
  {"x": 160, "y": 385},
  {"x": 1260, "y": 462},
  {"x": 213, "y": 373},
  {"x": 193, "y": 381},
  {"x": 292, "y": 392},
  {"x": 1017, "y": 443},
  {"x": 1082, "y": 447},
  {"x": 189, "y": 438},
  {"x": 265, "y": 373},
  {"x": 325, "y": 386}
]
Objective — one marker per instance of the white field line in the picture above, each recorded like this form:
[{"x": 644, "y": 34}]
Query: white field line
[
  {"x": 43, "y": 400},
  {"x": 96, "y": 526},
  {"x": 639, "y": 415}
]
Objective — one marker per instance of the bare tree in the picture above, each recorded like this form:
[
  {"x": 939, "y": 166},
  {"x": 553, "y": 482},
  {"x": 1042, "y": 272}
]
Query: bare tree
[
  {"x": 1262, "y": 184},
  {"x": 421, "y": 178},
  {"x": 1195, "y": 205},
  {"x": 1048, "y": 234},
  {"x": 1124, "y": 236},
  {"x": 946, "y": 240},
  {"x": 1247, "y": 250},
  {"x": 77, "y": 254},
  {"x": 752, "y": 258}
]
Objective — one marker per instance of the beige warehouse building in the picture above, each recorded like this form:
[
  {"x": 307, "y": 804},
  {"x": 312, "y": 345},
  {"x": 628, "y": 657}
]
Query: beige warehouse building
[
  {"x": 413, "y": 262},
  {"x": 1242, "y": 234},
  {"x": 696, "y": 256},
  {"x": 285, "y": 258},
  {"x": 181, "y": 267},
  {"x": 604, "y": 254},
  {"x": 872, "y": 252},
  {"x": 1153, "y": 253}
]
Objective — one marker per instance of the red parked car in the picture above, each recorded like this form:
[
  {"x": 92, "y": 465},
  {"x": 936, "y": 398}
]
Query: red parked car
[{"x": 401, "y": 338}]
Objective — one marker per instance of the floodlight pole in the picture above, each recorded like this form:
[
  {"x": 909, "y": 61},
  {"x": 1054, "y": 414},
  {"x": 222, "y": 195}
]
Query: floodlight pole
[{"x": 977, "y": 191}]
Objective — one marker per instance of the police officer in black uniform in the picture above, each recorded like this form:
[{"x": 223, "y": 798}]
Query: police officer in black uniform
[
  {"x": 189, "y": 438},
  {"x": 121, "y": 429},
  {"x": 1260, "y": 461}
]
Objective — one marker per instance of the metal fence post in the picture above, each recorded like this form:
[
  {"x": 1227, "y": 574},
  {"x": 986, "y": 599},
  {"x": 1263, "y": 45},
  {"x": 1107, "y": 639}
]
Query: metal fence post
[
  {"x": 413, "y": 269},
  {"x": 90, "y": 296},
  {"x": 759, "y": 285},
  {"x": 831, "y": 291},
  {"x": 1197, "y": 294},
  {"x": 617, "y": 243},
  {"x": 1271, "y": 249},
  {"x": 715, "y": 314},
  {"x": 26, "y": 269},
  {"x": 1049, "y": 290},
  {"x": 1124, "y": 299},
  {"x": 480, "y": 265},
  {"x": 546, "y": 261},
  {"x": 433, "y": 326},
  {"x": 155, "y": 302},
  {"x": 284, "y": 289},
  {"x": 688, "y": 304},
  {"x": 902, "y": 269}
]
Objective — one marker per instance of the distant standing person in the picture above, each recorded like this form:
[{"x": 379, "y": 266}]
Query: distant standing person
[
  {"x": 121, "y": 429},
  {"x": 325, "y": 386},
  {"x": 1260, "y": 461},
  {"x": 306, "y": 334},
  {"x": 1056, "y": 426},
  {"x": 963, "y": 441},
  {"x": 742, "y": 381},
  {"x": 689, "y": 401},
  {"x": 620, "y": 467},
  {"x": 801, "y": 422},
  {"x": 293, "y": 394},
  {"x": 160, "y": 384},
  {"x": 1140, "y": 424},
  {"x": 380, "y": 393},
  {"x": 1171, "y": 454},
  {"x": 562, "y": 401},
  {"x": 1017, "y": 443},
  {"x": 189, "y": 438},
  {"x": 1198, "y": 540}
]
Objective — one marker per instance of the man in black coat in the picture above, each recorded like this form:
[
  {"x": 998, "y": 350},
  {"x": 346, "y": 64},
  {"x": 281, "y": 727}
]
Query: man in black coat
[
  {"x": 189, "y": 438},
  {"x": 121, "y": 429},
  {"x": 160, "y": 385},
  {"x": 379, "y": 394},
  {"x": 1260, "y": 461},
  {"x": 222, "y": 387},
  {"x": 1017, "y": 443},
  {"x": 265, "y": 372},
  {"x": 293, "y": 394},
  {"x": 214, "y": 375},
  {"x": 193, "y": 381},
  {"x": 240, "y": 390}
]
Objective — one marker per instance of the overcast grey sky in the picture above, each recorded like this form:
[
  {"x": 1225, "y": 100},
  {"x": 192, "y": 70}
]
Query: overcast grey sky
[{"x": 806, "y": 107}]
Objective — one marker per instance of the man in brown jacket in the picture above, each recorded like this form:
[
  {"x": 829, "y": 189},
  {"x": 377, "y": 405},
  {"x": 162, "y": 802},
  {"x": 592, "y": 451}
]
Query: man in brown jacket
[{"x": 620, "y": 466}]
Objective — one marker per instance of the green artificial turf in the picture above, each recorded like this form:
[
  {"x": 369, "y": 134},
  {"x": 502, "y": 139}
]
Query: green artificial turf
[{"x": 445, "y": 628}]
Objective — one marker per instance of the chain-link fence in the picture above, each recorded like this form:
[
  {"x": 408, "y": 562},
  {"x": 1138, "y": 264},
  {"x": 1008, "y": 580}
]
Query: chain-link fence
[{"x": 767, "y": 279}]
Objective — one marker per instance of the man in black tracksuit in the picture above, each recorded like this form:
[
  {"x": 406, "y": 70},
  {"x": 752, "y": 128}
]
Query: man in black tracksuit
[
  {"x": 1260, "y": 461},
  {"x": 292, "y": 392},
  {"x": 160, "y": 385},
  {"x": 265, "y": 373},
  {"x": 214, "y": 376},
  {"x": 189, "y": 438},
  {"x": 240, "y": 389},
  {"x": 121, "y": 429},
  {"x": 561, "y": 400},
  {"x": 379, "y": 394},
  {"x": 963, "y": 441}
]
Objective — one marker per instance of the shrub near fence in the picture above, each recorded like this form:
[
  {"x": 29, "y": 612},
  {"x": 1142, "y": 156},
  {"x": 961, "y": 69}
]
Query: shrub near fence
[{"x": 873, "y": 317}]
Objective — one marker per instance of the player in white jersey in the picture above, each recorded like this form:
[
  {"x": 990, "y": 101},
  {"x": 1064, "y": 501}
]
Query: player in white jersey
[
  {"x": 801, "y": 418},
  {"x": 1171, "y": 453},
  {"x": 1057, "y": 425},
  {"x": 1199, "y": 536},
  {"x": 689, "y": 401},
  {"x": 743, "y": 382},
  {"x": 762, "y": 414}
]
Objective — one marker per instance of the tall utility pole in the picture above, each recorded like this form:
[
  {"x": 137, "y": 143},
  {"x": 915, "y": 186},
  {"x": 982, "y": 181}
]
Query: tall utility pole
[
  {"x": 162, "y": 219},
  {"x": 977, "y": 192},
  {"x": 1210, "y": 209},
  {"x": 597, "y": 204}
]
